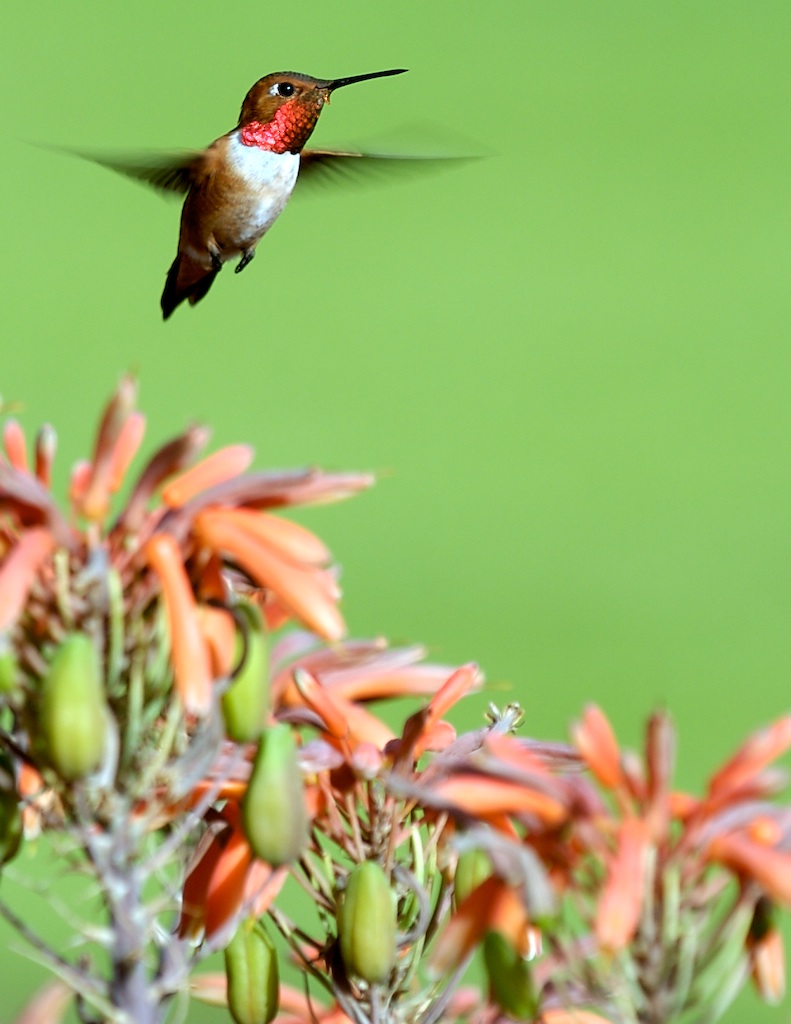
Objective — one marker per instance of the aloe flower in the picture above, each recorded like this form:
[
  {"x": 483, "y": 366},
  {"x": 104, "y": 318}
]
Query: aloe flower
[
  {"x": 669, "y": 889},
  {"x": 183, "y": 719}
]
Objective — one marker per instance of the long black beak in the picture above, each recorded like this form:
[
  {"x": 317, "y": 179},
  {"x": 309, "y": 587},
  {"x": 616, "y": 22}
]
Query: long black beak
[{"x": 338, "y": 82}]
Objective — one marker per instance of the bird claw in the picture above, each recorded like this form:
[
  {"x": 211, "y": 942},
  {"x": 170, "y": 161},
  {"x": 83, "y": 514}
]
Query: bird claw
[{"x": 246, "y": 258}]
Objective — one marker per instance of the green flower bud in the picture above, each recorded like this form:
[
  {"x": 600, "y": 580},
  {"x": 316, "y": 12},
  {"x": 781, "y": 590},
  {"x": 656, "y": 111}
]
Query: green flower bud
[
  {"x": 510, "y": 978},
  {"x": 473, "y": 868},
  {"x": 73, "y": 710},
  {"x": 252, "y": 972},
  {"x": 367, "y": 924},
  {"x": 244, "y": 703},
  {"x": 273, "y": 811},
  {"x": 10, "y": 812}
]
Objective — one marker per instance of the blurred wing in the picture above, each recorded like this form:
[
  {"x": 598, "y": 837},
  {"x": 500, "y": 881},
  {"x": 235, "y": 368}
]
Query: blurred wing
[
  {"x": 173, "y": 173},
  {"x": 169, "y": 173},
  {"x": 319, "y": 166}
]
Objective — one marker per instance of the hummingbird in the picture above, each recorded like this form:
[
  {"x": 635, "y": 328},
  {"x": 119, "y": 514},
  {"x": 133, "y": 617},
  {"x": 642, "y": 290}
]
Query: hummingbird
[{"x": 238, "y": 186}]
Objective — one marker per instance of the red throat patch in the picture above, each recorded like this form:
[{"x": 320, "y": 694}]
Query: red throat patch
[{"x": 288, "y": 131}]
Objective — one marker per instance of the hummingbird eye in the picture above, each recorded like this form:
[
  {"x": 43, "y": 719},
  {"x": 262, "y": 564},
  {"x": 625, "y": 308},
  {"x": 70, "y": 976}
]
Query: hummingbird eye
[{"x": 284, "y": 89}]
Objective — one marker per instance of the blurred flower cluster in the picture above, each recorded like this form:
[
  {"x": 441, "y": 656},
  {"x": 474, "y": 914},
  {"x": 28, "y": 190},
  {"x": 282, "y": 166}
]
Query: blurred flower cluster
[{"x": 184, "y": 724}]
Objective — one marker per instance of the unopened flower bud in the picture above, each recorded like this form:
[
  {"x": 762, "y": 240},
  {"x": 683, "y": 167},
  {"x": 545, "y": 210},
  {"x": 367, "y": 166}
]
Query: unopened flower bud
[
  {"x": 274, "y": 813},
  {"x": 73, "y": 711},
  {"x": 244, "y": 703},
  {"x": 472, "y": 868},
  {"x": 510, "y": 978},
  {"x": 252, "y": 973},
  {"x": 367, "y": 924}
]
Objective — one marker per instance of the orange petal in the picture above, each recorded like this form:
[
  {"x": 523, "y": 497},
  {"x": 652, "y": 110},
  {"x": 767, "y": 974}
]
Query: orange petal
[
  {"x": 263, "y": 885},
  {"x": 365, "y": 727},
  {"x": 513, "y": 752},
  {"x": 439, "y": 737},
  {"x": 460, "y": 683},
  {"x": 621, "y": 902},
  {"x": 226, "y": 888},
  {"x": 769, "y": 967},
  {"x": 765, "y": 830},
  {"x": 344, "y": 720},
  {"x": 214, "y": 886},
  {"x": 290, "y": 540},
  {"x": 215, "y": 469},
  {"x": 211, "y": 989},
  {"x": 96, "y": 500},
  {"x": 770, "y": 868},
  {"x": 478, "y": 794},
  {"x": 190, "y": 655},
  {"x": 18, "y": 572},
  {"x": 596, "y": 742},
  {"x": 759, "y": 750},
  {"x": 375, "y": 684},
  {"x": 126, "y": 447},
  {"x": 78, "y": 482},
  {"x": 294, "y": 1001},
  {"x": 34, "y": 794},
  {"x": 199, "y": 872},
  {"x": 48, "y": 1006},
  {"x": 303, "y": 592},
  {"x": 230, "y": 789},
  {"x": 320, "y": 700},
  {"x": 509, "y": 917},
  {"x": 275, "y": 615},
  {"x": 682, "y": 805},
  {"x": 16, "y": 446},
  {"x": 572, "y": 1016},
  {"x": 473, "y": 918},
  {"x": 219, "y": 632}
]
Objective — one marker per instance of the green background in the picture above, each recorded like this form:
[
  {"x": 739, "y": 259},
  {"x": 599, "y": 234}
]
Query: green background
[{"x": 568, "y": 361}]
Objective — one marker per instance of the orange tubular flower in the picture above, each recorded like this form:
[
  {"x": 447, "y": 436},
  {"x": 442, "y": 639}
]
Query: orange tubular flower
[
  {"x": 106, "y": 463},
  {"x": 493, "y": 906},
  {"x": 191, "y": 666},
  {"x": 16, "y": 446},
  {"x": 767, "y": 960},
  {"x": 290, "y": 541},
  {"x": 343, "y": 720},
  {"x": 359, "y": 671},
  {"x": 215, "y": 469},
  {"x": 484, "y": 796},
  {"x": 460, "y": 683},
  {"x": 596, "y": 742},
  {"x": 18, "y": 571},
  {"x": 621, "y": 901},
  {"x": 304, "y": 590},
  {"x": 770, "y": 868},
  {"x": 130, "y": 437},
  {"x": 216, "y": 880},
  {"x": 760, "y": 749}
]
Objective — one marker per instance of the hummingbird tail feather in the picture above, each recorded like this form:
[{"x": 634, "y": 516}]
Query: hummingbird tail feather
[{"x": 186, "y": 280}]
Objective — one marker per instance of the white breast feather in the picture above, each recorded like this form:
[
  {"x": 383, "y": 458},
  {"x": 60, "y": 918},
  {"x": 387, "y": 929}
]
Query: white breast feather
[{"x": 272, "y": 177}]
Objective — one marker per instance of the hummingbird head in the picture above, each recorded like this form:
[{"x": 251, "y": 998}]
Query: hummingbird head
[{"x": 281, "y": 110}]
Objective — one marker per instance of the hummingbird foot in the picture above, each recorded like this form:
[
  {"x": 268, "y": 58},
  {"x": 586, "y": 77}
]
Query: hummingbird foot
[
  {"x": 247, "y": 257},
  {"x": 216, "y": 260}
]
